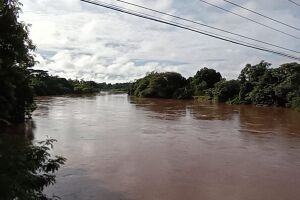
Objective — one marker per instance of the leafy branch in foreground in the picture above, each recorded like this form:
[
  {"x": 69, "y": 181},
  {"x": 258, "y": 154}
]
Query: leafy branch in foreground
[{"x": 26, "y": 168}]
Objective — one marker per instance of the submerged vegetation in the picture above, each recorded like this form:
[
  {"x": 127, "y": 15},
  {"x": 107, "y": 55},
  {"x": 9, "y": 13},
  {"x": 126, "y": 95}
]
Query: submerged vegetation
[{"x": 257, "y": 84}]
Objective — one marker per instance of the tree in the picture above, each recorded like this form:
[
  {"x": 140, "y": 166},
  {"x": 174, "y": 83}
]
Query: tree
[
  {"x": 205, "y": 79},
  {"x": 16, "y": 96},
  {"x": 270, "y": 86},
  {"x": 249, "y": 78},
  {"x": 83, "y": 87},
  {"x": 252, "y": 73},
  {"x": 161, "y": 85},
  {"x": 226, "y": 91}
]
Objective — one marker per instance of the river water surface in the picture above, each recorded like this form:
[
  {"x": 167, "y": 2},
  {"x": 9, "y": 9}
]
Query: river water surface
[{"x": 149, "y": 149}]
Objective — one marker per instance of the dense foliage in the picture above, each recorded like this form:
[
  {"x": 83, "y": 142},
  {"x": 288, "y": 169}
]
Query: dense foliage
[
  {"x": 270, "y": 86},
  {"x": 257, "y": 84},
  {"x": 44, "y": 85},
  {"x": 226, "y": 91},
  {"x": 161, "y": 85},
  {"x": 204, "y": 79},
  {"x": 16, "y": 96},
  {"x": 26, "y": 168}
]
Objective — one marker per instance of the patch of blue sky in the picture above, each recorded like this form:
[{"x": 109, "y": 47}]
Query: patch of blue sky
[{"x": 142, "y": 62}]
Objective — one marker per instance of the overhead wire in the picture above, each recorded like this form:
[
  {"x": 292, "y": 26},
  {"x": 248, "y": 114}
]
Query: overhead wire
[
  {"x": 298, "y": 4},
  {"x": 178, "y": 25},
  {"x": 262, "y": 15},
  {"x": 252, "y": 20},
  {"x": 150, "y": 17},
  {"x": 205, "y": 25}
]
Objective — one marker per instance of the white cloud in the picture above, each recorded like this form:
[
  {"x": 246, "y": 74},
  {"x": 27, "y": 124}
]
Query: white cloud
[{"x": 77, "y": 40}]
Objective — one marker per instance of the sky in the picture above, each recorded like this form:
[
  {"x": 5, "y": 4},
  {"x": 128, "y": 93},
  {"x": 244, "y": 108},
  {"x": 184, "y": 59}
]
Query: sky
[{"x": 78, "y": 40}]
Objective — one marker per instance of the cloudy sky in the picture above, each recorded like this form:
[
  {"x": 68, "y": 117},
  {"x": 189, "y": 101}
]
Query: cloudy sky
[{"x": 78, "y": 40}]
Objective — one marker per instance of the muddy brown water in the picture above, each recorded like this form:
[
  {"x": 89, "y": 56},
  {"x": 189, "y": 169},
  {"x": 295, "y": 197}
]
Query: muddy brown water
[{"x": 151, "y": 149}]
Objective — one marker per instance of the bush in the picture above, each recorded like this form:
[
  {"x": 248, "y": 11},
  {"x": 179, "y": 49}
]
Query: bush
[
  {"x": 226, "y": 90},
  {"x": 204, "y": 79},
  {"x": 161, "y": 85}
]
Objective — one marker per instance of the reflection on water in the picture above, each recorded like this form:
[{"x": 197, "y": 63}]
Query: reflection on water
[
  {"x": 25, "y": 130},
  {"x": 129, "y": 148},
  {"x": 213, "y": 111},
  {"x": 269, "y": 120},
  {"x": 164, "y": 109}
]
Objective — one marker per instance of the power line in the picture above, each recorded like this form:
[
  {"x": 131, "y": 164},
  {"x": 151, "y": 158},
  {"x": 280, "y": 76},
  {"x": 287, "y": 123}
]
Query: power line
[
  {"x": 294, "y": 2},
  {"x": 123, "y": 10},
  {"x": 249, "y": 19},
  {"x": 212, "y": 27},
  {"x": 262, "y": 15},
  {"x": 208, "y": 32},
  {"x": 149, "y": 17}
]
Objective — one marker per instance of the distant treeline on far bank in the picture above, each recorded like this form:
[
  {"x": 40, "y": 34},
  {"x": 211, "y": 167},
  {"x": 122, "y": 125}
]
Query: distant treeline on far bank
[{"x": 44, "y": 84}]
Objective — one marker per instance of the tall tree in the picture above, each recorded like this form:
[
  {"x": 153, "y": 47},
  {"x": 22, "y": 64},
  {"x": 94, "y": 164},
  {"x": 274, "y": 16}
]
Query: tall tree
[
  {"x": 205, "y": 79},
  {"x": 16, "y": 57}
]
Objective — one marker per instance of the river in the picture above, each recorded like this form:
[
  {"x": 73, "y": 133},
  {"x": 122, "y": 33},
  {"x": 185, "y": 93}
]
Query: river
[{"x": 123, "y": 148}]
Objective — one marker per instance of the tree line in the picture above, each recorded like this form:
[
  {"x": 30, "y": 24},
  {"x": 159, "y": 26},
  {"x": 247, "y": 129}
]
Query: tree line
[
  {"x": 44, "y": 84},
  {"x": 257, "y": 84}
]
